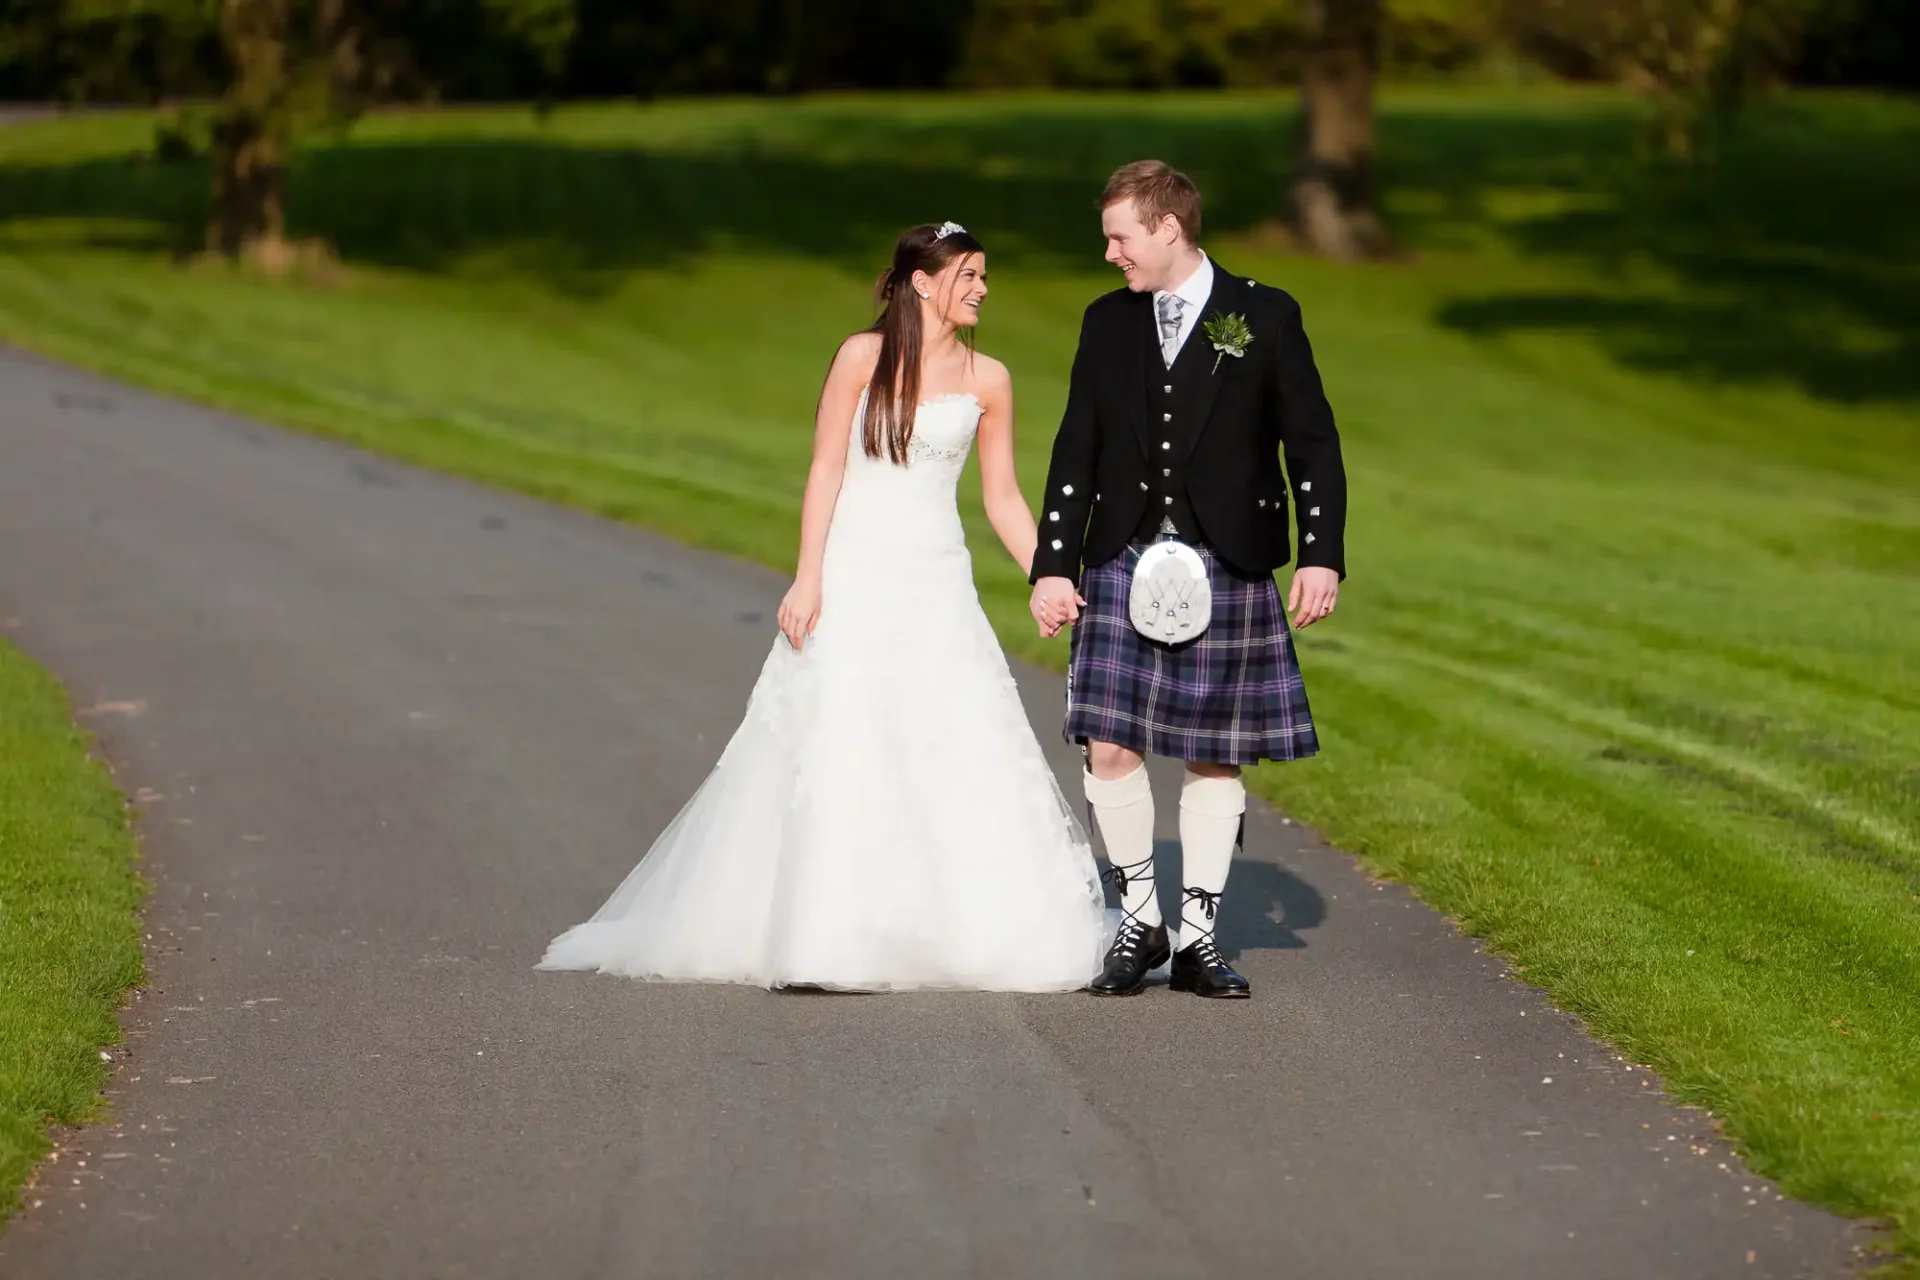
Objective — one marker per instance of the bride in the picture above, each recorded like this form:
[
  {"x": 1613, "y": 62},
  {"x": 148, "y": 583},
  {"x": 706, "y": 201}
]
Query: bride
[{"x": 883, "y": 818}]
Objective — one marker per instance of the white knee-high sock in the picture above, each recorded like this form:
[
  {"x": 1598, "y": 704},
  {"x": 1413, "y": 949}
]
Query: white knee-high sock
[
  {"x": 1123, "y": 808},
  {"x": 1211, "y": 810}
]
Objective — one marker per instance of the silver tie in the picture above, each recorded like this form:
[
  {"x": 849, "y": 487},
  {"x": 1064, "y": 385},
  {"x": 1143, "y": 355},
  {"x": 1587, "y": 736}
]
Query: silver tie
[{"x": 1169, "y": 306}]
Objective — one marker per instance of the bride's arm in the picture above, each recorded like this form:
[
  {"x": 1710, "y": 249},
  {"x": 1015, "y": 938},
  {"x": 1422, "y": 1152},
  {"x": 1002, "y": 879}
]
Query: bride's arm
[
  {"x": 832, "y": 423},
  {"x": 1007, "y": 510}
]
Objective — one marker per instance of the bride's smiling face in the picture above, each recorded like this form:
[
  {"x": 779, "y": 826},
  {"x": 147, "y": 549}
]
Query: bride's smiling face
[{"x": 955, "y": 293}]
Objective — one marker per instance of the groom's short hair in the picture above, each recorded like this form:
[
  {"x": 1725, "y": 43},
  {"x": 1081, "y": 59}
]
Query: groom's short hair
[{"x": 1157, "y": 189}]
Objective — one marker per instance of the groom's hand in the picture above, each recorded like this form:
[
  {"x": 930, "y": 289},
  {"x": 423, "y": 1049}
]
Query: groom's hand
[
  {"x": 1315, "y": 591},
  {"x": 1054, "y": 605}
]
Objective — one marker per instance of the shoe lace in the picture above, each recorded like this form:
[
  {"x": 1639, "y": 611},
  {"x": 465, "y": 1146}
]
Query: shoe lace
[
  {"x": 1209, "y": 902},
  {"x": 1208, "y": 954},
  {"x": 1130, "y": 939},
  {"x": 1120, "y": 877}
]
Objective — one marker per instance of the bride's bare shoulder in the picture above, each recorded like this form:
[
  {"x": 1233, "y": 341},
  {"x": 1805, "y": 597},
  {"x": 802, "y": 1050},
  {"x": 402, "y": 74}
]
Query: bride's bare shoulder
[
  {"x": 854, "y": 362},
  {"x": 862, "y": 346},
  {"x": 991, "y": 379}
]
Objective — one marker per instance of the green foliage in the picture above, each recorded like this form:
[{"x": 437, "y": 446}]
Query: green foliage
[
  {"x": 1160, "y": 43},
  {"x": 474, "y": 49},
  {"x": 1131, "y": 43},
  {"x": 1701, "y": 58},
  {"x": 762, "y": 46},
  {"x": 544, "y": 28},
  {"x": 1443, "y": 36},
  {"x": 286, "y": 69},
  {"x": 112, "y": 50},
  {"x": 140, "y": 50}
]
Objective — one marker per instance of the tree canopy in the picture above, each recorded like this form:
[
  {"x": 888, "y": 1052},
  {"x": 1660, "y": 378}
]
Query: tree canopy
[{"x": 142, "y": 50}]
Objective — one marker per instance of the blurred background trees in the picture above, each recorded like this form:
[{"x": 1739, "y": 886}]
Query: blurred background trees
[
  {"x": 1699, "y": 58},
  {"x": 280, "y": 68},
  {"x": 129, "y": 50}
]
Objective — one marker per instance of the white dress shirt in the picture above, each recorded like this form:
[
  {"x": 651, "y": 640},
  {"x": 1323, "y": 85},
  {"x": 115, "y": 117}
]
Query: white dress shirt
[{"x": 1194, "y": 292}]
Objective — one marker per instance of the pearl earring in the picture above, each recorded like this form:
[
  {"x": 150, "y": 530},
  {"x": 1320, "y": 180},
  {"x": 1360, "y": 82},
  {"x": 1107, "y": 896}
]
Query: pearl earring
[{"x": 925, "y": 294}]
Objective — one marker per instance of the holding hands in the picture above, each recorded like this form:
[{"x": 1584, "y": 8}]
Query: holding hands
[{"x": 1055, "y": 604}]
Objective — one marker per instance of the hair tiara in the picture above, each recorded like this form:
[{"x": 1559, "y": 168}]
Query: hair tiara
[{"x": 947, "y": 229}]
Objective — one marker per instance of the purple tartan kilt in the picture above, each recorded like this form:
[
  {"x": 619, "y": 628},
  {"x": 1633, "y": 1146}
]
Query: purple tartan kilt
[{"x": 1234, "y": 696}]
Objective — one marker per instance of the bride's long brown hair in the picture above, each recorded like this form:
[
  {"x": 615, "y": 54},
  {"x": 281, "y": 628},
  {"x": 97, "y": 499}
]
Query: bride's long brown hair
[{"x": 894, "y": 393}]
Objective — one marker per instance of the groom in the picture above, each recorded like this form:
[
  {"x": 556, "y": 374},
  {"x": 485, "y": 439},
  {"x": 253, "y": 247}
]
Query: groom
[{"x": 1188, "y": 388}]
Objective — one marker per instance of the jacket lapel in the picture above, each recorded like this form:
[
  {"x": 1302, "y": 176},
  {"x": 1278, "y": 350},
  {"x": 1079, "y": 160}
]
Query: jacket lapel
[
  {"x": 1219, "y": 302},
  {"x": 1137, "y": 370}
]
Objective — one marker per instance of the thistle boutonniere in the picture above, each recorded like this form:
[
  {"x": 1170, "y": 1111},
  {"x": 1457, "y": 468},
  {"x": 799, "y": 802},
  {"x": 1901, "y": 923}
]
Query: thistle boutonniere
[{"x": 1229, "y": 335}]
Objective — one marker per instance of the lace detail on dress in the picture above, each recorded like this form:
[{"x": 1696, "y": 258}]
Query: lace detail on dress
[
  {"x": 944, "y": 437},
  {"x": 920, "y": 449}
]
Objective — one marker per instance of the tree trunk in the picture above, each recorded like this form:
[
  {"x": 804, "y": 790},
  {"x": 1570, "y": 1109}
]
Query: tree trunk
[
  {"x": 1330, "y": 202},
  {"x": 253, "y": 133}
]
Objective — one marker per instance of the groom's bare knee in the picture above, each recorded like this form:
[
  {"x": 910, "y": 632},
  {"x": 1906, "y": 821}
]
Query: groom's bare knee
[
  {"x": 1207, "y": 769},
  {"x": 1108, "y": 761}
]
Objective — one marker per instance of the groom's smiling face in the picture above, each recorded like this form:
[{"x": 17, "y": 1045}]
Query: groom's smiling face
[{"x": 1145, "y": 255}]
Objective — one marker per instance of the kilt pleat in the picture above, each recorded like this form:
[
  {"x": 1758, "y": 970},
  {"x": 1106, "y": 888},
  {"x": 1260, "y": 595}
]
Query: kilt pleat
[{"x": 1233, "y": 696}]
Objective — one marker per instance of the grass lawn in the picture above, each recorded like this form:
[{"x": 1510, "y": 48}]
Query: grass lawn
[
  {"x": 69, "y": 944},
  {"x": 1627, "y": 675}
]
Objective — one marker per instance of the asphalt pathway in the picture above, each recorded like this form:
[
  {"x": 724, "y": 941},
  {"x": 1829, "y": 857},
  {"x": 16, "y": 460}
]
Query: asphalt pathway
[{"x": 388, "y": 732}]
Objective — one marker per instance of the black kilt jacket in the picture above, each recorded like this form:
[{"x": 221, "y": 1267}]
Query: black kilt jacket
[{"x": 1201, "y": 443}]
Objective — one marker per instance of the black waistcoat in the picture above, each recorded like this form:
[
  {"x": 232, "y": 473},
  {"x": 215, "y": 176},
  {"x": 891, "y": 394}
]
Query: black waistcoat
[{"x": 1174, "y": 402}]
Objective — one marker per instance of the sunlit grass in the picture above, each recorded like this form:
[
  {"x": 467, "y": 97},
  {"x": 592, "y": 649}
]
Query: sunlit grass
[
  {"x": 68, "y": 942},
  {"x": 1627, "y": 675}
]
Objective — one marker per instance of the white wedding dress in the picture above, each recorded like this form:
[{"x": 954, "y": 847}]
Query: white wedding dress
[{"x": 883, "y": 818}]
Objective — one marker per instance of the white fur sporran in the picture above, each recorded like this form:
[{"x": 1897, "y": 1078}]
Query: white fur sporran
[{"x": 1171, "y": 599}]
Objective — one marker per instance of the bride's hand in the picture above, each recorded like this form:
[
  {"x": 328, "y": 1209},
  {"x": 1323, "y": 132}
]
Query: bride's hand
[
  {"x": 800, "y": 611},
  {"x": 1055, "y": 604}
]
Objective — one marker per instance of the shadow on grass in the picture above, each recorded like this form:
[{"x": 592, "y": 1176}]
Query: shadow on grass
[
  {"x": 1721, "y": 339},
  {"x": 1789, "y": 259},
  {"x": 1792, "y": 258}
]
